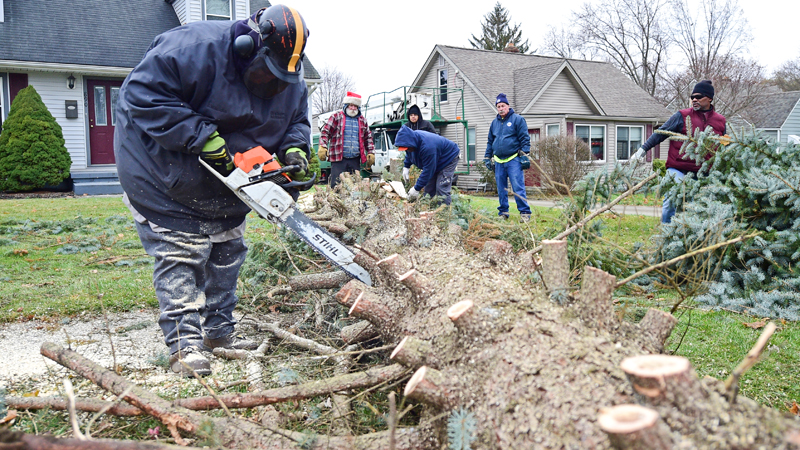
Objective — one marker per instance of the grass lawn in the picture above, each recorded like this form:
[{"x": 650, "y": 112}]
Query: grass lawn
[{"x": 62, "y": 256}]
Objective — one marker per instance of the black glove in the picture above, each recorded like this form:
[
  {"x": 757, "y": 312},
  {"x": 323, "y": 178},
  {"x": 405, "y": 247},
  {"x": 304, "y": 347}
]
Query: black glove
[
  {"x": 215, "y": 154},
  {"x": 296, "y": 157},
  {"x": 524, "y": 161},
  {"x": 489, "y": 163}
]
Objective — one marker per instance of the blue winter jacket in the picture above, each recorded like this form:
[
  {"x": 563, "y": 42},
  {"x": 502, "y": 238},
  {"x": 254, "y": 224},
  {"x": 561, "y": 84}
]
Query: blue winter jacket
[
  {"x": 185, "y": 88},
  {"x": 428, "y": 151},
  {"x": 507, "y": 136}
]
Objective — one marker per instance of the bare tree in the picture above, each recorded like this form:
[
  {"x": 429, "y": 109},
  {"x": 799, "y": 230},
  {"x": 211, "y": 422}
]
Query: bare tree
[
  {"x": 787, "y": 77},
  {"x": 567, "y": 44},
  {"x": 738, "y": 85},
  {"x": 331, "y": 93},
  {"x": 710, "y": 38},
  {"x": 628, "y": 33}
]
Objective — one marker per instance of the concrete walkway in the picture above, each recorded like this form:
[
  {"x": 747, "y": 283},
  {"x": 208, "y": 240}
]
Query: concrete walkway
[{"x": 650, "y": 211}]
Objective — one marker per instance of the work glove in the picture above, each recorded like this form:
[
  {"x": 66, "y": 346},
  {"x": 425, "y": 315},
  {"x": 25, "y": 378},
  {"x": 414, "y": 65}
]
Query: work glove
[
  {"x": 215, "y": 154},
  {"x": 370, "y": 160},
  {"x": 639, "y": 156},
  {"x": 405, "y": 173},
  {"x": 489, "y": 163},
  {"x": 296, "y": 157},
  {"x": 322, "y": 153},
  {"x": 524, "y": 161},
  {"x": 413, "y": 195}
]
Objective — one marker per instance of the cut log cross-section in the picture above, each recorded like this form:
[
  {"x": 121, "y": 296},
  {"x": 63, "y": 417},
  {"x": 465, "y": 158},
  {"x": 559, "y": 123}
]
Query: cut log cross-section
[
  {"x": 430, "y": 386},
  {"x": 634, "y": 427},
  {"x": 413, "y": 352},
  {"x": 664, "y": 379}
]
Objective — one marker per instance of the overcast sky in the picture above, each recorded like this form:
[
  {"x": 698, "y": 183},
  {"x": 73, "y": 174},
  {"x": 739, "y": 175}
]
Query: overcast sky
[{"x": 383, "y": 44}]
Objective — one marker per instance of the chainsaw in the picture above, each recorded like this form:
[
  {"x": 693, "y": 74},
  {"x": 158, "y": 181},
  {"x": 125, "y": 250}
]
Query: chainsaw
[{"x": 260, "y": 182}]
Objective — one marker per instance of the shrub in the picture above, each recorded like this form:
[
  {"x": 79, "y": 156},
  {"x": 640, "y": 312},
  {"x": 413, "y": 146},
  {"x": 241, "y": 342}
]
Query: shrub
[
  {"x": 32, "y": 151},
  {"x": 561, "y": 162},
  {"x": 660, "y": 166}
]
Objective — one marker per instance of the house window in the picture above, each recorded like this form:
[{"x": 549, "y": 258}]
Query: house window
[
  {"x": 472, "y": 145},
  {"x": 218, "y": 9},
  {"x": 2, "y": 19},
  {"x": 534, "y": 135},
  {"x": 114, "y": 98},
  {"x": 441, "y": 61},
  {"x": 553, "y": 130},
  {"x": 628, "y": 140},
  {"x": 443, "y": 85},
  {"x": 594, "y": 135}
]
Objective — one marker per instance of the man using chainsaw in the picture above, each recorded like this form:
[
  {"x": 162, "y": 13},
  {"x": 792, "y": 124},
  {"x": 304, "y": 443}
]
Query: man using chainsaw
[
  {"x": 435, "y": 155},
  {"x": 209, "y": 89},
  {"x": 345, "y": 140},
  {"x": 702, "y": 115}
]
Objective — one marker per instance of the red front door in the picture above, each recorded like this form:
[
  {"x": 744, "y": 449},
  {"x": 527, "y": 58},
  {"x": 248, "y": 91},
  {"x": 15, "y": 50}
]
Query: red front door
[{"x": 103, "y": 96}]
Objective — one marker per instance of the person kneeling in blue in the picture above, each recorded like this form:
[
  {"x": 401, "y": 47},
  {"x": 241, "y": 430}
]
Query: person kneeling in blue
[{"x": 435, "y": 155}]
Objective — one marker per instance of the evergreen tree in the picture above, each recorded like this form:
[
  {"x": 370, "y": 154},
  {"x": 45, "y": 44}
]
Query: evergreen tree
[
  {"x": 32, "y": 151},
  {"x": 498, "y": 32},
  {"x": 752, "y": 186}
]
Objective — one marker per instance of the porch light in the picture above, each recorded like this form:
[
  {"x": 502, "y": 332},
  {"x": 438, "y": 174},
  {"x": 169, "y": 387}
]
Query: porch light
[{"x": 71, "y": 81}]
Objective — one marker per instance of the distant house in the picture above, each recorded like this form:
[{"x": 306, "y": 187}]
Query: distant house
[
  {"x": 76, "y": 53},
  {"x": 777, "y": 116},
  {"x": 556, "y": 96}
]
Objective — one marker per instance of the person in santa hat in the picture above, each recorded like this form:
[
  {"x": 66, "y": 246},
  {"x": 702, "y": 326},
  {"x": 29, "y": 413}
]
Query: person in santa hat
[{"x": 345, "y": 140}]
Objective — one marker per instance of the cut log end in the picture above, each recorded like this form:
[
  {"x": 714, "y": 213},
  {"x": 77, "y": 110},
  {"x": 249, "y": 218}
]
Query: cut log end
[
  {"x": 415, "y": 380},
  {"x": 632, "y": 427},
  {"x": 398, "y": 348},
  {"x": 626, "y": 419},
  {"x": 649, "y": 366},
  {"x": 457, "y": 310}
]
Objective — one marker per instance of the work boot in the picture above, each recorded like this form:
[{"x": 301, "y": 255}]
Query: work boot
[
  {"x": 503, "y": 216},
  {"x": 233, "y": 341},
  {"x": 195, "y": 361},
  {"x": 524, "y": 218}
]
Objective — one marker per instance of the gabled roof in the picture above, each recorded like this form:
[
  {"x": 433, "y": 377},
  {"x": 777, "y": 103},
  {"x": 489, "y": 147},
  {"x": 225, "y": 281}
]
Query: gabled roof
[
  {"x": 114, "y": 33},
  {"x": 524, "y": 77},
  {"x": 110, "y": 33},
  {"x": 772, "y": 110}
]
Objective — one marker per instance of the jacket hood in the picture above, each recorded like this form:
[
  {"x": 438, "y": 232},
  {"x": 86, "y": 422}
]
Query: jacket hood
[
  {"x": 414, "y": 109},
  {"x": 406, "y": 137}
]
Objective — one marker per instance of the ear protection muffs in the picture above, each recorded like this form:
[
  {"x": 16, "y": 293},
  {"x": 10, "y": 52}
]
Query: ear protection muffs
[{"x": 244, "y": 45}]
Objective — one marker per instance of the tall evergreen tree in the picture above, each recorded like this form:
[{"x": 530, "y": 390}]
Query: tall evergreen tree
[
  {"x": 497, "y": 32},
  {"x": 32, "y": 151}
]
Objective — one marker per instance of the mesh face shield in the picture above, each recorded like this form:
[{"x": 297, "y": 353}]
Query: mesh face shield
[{"x": 260, "y": 80}]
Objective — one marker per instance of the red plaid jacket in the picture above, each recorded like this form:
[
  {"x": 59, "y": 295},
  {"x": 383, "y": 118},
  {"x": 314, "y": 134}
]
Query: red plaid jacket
[{"x": 332, "y": 137}]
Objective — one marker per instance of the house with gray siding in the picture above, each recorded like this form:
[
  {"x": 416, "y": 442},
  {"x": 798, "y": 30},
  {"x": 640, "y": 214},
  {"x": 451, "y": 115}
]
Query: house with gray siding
[
  {"x": 76, "y": 54},
  {"x": 777, "y": 116},
  {"x": 556, "y": 96}
]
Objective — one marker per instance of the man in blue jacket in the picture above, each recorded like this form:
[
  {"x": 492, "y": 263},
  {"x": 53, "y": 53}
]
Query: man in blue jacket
[
  {"x": 507, "y": 149},
  {"x": 207, "y": 89},
  {"x": 435, "y": 155}
]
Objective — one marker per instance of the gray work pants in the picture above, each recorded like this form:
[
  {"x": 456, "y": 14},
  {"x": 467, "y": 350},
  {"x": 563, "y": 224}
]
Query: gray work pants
[{"x": 195, "y": 283}]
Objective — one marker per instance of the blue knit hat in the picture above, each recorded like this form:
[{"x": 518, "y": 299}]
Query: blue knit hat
[{"x": 501, "y": 98}]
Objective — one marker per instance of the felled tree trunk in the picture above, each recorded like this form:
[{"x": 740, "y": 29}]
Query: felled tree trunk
[{"x": 532, "y": 365}]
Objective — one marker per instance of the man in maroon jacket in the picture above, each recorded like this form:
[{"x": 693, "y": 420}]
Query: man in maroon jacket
[{"x": 702, "y": 115}]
